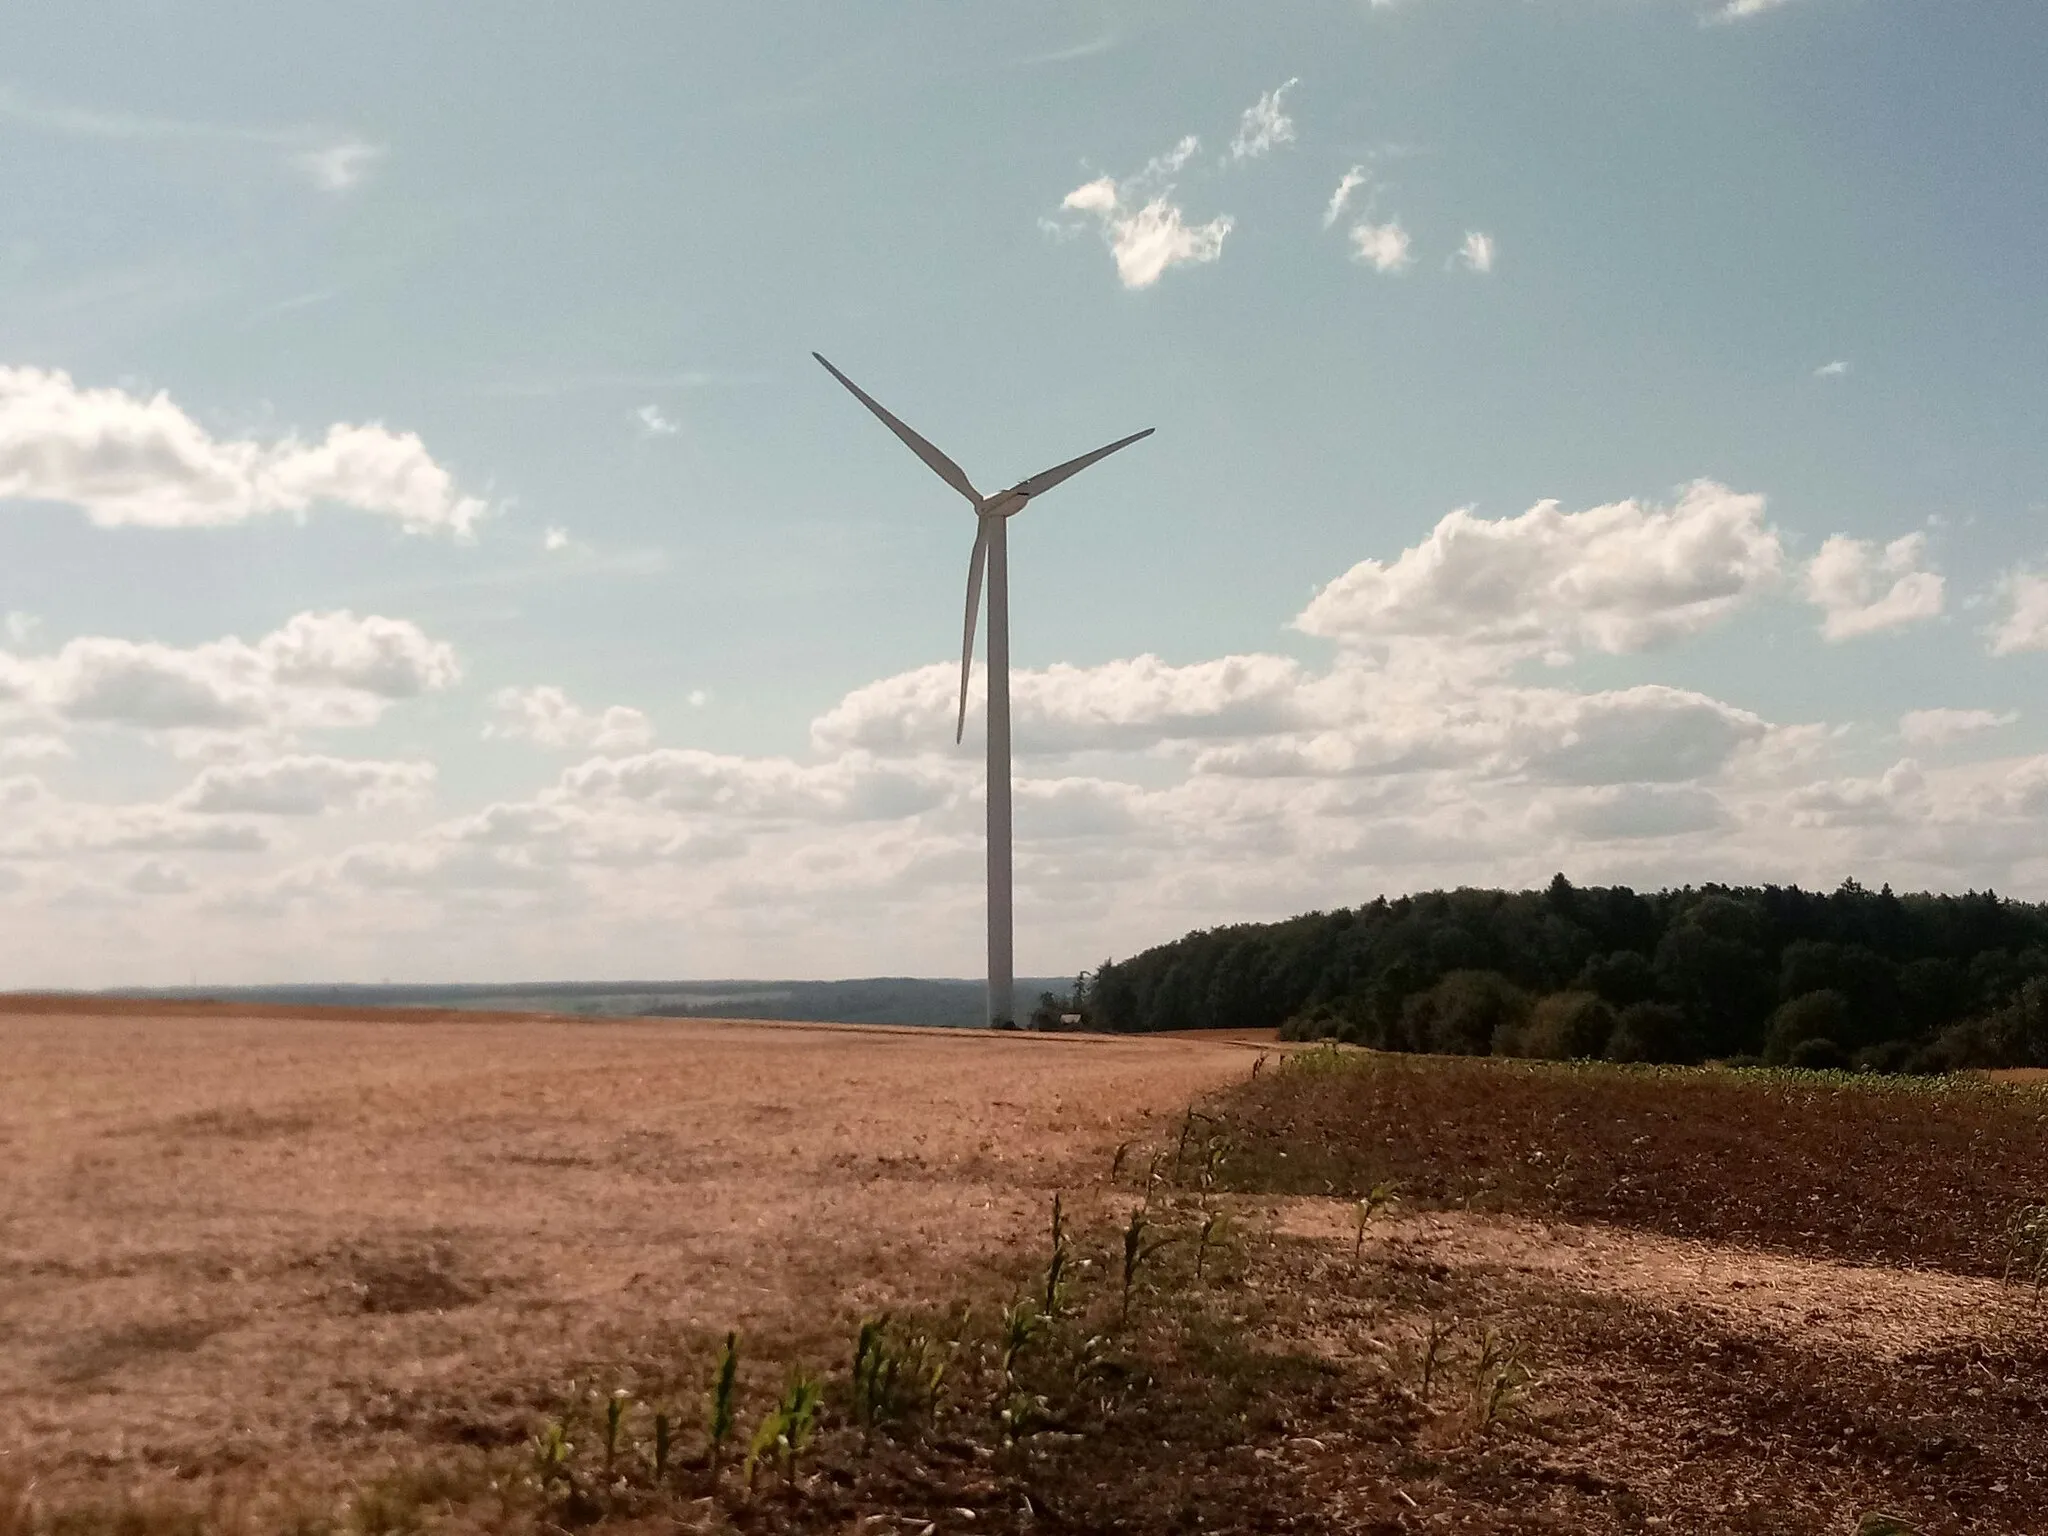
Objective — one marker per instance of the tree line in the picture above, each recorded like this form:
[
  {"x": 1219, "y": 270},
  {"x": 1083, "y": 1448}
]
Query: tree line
[{"x": 1768, "y": 973}]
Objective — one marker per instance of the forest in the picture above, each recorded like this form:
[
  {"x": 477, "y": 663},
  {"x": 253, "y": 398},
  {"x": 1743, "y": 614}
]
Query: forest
[{"x": 1761, "y": 974}]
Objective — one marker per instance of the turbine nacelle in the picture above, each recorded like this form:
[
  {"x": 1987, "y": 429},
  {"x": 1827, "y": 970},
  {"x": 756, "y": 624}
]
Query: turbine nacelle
[{"x": 1004, "y": 503}]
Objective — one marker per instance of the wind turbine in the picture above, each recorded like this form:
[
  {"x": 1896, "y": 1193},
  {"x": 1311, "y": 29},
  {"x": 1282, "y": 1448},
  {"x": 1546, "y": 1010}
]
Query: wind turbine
[{"x": 991, "y": 514}]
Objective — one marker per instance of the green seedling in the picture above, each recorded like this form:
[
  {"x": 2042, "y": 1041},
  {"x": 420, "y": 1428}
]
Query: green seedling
[
  {"x": 1136, "y": 1252},
  {"x": 614, "y": 1417},
  {"x": 1876, "y": 1523},
  {"x": 1377, "y": 1199},
  {"x": 552, "y": 1451},
  {"x": 1500, "y": 1379},
  {"x": 1021, "y": 1324},
  {"x": 785, "y": 1430},
  {"x": 664, "y": 1445},
  {"x": 1056, "y": 1265},
  {"x": 1435, "y": 1340},
  {"x": 2026, "y": 1246},
  {"x": 1215, "y": 1230},
  {"x": 723, "y": 1393}
]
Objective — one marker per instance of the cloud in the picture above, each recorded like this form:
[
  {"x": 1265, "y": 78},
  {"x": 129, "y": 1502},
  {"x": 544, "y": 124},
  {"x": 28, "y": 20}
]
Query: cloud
[
  {"x": 20, "y": 627},
  {"x": 1383, "y": 247},
  {"x": 1616, "y": 578},
  {"x": 1861, "y": 589},
  {"x": 1347, "y": 184},
  {"x": 653, "y": 423},
  {"x": 340, "y": 167},
  {"x": 154, "y": 877},
  {"x": 1120, "y": 705},
  {"x": 2025, "y": 625},
  {"x": 42, "y": 826},
  {"x": 128, "y": 461},
  {"x": 554, "y": 538},
  {"x": 1739, "y": 10},
  {"x": 1146, "y": 231},
  {"x": 548, "y": 717},
  {"x": 1834, "y": 370},
  {"x": 302, "y": 785},
  {"x": 851, "y": 788},
  {"x": 317, "y": 670},
  {"x": 1938, "y": 727},
  {"x": 332, "y": 162},
  {"x": 1148, "y": 240},
  {"x": 1264, "y": 124},
  {"x": 1477, "y": 252}
]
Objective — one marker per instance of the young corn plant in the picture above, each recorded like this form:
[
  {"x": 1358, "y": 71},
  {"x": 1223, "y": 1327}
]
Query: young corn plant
[
  {"x": 1136, "y": 1251},
  {"x": 1021, "y": 1324},
  {"x": 1377, "y": 1199},
  {"x": 1056, "y": 1265},
  {"x": 553, "y": 1459},
  {"x": 1214, "y": 1233},
  {"x": 2026, "y": 1246},
  {"x": 664, "y": 1447},
  {"x": 1436, "y": 1340},
  {"x": 785, "y": 1430},
  {"x": 723, "y": 1394},
  {"x": 614, "y": 1419},
  {"x": 1501, "y": 1381}
]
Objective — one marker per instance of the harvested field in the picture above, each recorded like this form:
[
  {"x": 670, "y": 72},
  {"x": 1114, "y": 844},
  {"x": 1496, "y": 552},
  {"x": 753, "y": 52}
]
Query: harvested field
[
  {"x": 349, "y": 1274},
  {"x": 242, "y": 1245}
]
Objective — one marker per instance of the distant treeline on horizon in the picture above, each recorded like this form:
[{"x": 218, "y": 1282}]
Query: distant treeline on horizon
[
  {"x": 937, "y": 1001},
  {"x": 1752, "y": 973}
]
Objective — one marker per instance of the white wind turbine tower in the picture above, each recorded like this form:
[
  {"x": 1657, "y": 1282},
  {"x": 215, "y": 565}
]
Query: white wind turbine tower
[{"x": 991, "y": 513}]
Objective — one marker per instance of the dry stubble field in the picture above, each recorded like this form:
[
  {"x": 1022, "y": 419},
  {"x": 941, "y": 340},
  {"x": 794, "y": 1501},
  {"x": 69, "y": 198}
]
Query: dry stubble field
[
  {"x": 256, "y": 1247},
  {"x": 334, "y": 1274}
]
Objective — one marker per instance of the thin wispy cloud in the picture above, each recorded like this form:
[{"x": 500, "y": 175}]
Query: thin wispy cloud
[
  {"x": 1741, "y": 10},
  {"x": 1349, "y": 183},
  {"x": 1476, "y": 254},
  {"x": 1832, "y": 370},
  {"x": 1087, "y": 50},
  {"x": 1265, "y": 123},
  {"x": 333, "y": 162},
  {"x": 653, "y": 423},
  {"x": 340, "y": 167},
  {"x": 545, "y": 386}
]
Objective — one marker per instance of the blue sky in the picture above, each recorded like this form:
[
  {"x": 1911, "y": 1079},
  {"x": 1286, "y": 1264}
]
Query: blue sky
[{"x": 428, "y": 550}]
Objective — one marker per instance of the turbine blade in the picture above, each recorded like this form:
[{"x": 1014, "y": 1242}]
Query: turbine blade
[
  {"x": 974, "y": 564},
  {"x": 1044, "y": 481},
  {"x": 942, "y": 466}
]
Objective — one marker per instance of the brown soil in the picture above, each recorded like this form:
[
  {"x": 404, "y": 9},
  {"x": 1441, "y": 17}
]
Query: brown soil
[
  {"x": 258, "y": 1252},
  {"x": 237, "y": 1243},
  {"x": 1913, "y": 1172}
]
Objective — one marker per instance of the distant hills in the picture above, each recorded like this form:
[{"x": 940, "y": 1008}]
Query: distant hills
[{"x": 870, "y": 1000}]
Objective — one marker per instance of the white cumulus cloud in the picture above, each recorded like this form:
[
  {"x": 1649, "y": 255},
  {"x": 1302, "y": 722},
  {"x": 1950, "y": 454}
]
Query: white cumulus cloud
[
  {"x": 1834, "y": 370},
  {"x": 1862, "y": 589},
  {"x": 1476, "y": 254},
  {"x": 2025, "y": 625},
  {"x": 317, "y": 670},
  {"x": 653, "y": 423},
  {"x": 306, "y": 785},
  {"x": 1938, "y": 727},
  {"x": 548, "y": 717},
  {"x": 127, "y": 460},
  {"x": 1614, "y": 578},
  {"x": 1383, "y": 247}
]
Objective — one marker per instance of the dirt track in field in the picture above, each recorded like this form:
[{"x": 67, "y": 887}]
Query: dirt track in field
[{"x": 238, "y": 1240}]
